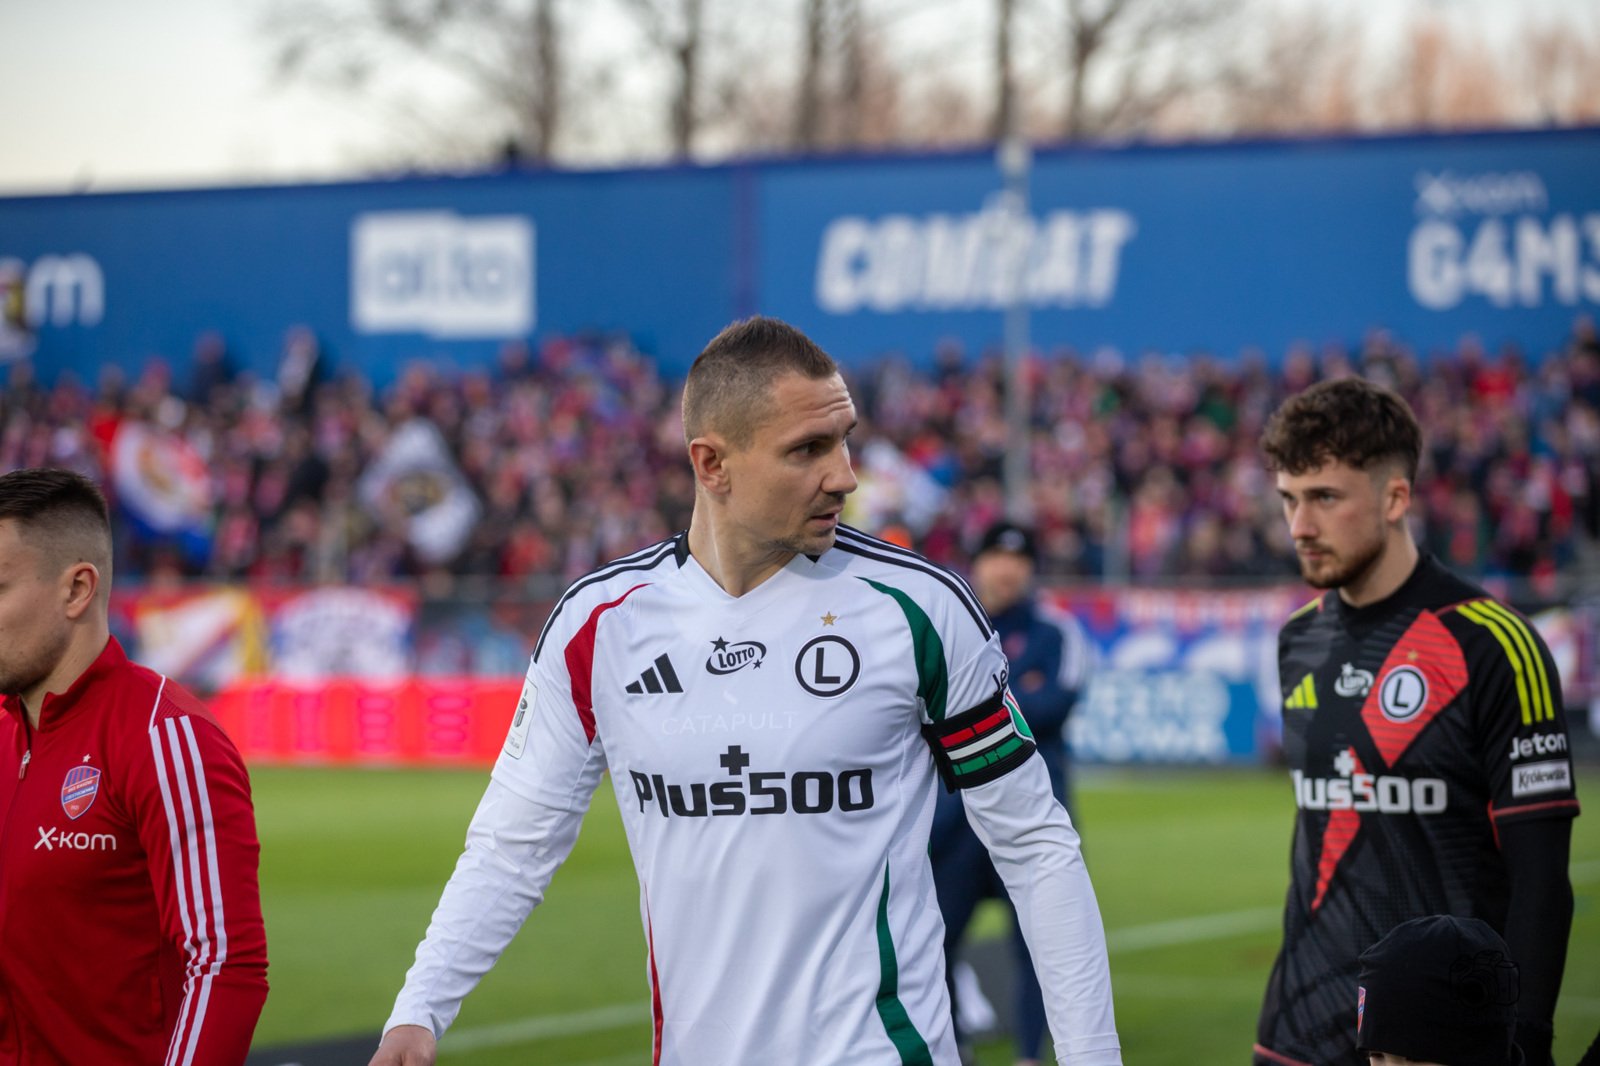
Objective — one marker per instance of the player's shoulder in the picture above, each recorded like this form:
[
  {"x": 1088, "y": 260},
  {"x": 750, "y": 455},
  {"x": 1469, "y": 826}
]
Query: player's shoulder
[
  {"x": 612, "y": 582},
  {"x": 1304, "y": 617},
  {"x": 1474, "y": 616},
  {"x": 138, "y": 697},
  {"x": 914, "y": 580},
  {"x": 171, "y": 702}
]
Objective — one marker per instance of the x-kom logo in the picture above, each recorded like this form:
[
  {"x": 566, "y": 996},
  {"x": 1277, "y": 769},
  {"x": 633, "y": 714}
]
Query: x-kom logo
[{"x": 51, "y": 838}]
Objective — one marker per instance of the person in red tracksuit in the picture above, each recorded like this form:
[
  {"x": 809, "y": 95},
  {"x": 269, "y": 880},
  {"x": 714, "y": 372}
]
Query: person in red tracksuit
[{"x": 130, "y": 916}]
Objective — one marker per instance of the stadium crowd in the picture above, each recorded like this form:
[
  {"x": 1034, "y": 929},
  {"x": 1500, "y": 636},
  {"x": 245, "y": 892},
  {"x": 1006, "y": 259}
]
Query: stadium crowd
[{"x": 1143, "y": 468}]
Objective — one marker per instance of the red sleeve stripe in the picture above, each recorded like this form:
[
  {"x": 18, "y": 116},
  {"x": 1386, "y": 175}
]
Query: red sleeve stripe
[
  {"x": 580, "y": 662},
  {"x": 960, "y": 737},
  {"x": 191, "y": 830},
  {"x": 1504, "y": 812},
  {"x": 1268, "y": 1053}
]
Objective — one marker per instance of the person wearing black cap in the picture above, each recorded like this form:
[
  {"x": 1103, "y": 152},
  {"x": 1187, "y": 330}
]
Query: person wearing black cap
[
  {"x": 1439, "y": 991},
  {"x": 1048, "y": 653}
]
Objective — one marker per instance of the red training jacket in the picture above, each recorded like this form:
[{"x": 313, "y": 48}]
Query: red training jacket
[{"x": 130, "y": 915}]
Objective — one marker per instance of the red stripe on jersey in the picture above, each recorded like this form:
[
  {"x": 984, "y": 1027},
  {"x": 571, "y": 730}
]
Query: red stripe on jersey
[
  {"x": 580, "y": 662},
  {"x": 998, "y": 718},
  {"x": 1337, "y": 836},
  {"x": 1427, "y": 649},
  {"x": 1268, "y": 1053},
  {"x": 1501, "y": 812},
  {"x": 655, "y": 986}
]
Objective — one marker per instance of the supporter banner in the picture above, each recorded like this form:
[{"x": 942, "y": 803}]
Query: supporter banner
[
  {"x": 162, "y": 483},
  {"x": 415, "y": 480},
  {"x": 205, "y": 638},
  {"x": 1221, "y": 247},
  {"x": 1180, "y": 676},
  {"x": 342, "y": 674},
  {"x": 211, "y": 638}
]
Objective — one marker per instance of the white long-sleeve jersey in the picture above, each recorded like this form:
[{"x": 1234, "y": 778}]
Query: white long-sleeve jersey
[{"x": 775, "y": 757}]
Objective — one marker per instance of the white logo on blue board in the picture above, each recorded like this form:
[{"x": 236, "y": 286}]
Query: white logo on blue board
[{"x": 440, "y": 274}]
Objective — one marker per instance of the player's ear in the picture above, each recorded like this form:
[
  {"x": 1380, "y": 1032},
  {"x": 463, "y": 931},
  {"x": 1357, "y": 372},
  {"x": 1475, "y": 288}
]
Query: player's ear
[
  {"x": 1397, "y": 498},
  {"x": 708, "y": 454},
  {"x": 79, "y": 584}
]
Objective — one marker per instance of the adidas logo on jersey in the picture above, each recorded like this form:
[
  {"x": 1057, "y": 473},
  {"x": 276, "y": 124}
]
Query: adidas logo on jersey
[
  {"x": 1304, "y": 696},
  {"x": 658, "y": 678}
]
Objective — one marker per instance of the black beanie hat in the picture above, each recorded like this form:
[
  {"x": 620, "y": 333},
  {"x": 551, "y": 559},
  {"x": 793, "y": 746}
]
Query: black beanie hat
[
  {"x": 1009, "y": 537},
  {"x": 1439, "y": 989}
]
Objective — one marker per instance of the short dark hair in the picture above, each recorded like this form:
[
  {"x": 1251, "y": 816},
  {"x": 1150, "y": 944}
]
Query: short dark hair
[
  {"x": 63, "y": 512},
  {"x": 728, "y": 388},
  {"x": 1350, "y": 421}
]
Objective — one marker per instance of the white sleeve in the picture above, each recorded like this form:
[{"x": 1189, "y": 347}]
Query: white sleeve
[
  {"x": 513, "y": 847},
  {"x": 1036, "y": 852}
]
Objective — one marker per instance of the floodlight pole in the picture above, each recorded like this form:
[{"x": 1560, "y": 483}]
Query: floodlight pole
[{"x": 1016, "y": 163}]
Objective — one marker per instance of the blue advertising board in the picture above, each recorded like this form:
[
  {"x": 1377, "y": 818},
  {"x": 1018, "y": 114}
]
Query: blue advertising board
[
  {"x": 382, "y": 273},
  {"x": 1219, "y": 248},
  {"x": 1208, "y": 247},
  {"x": 1179, "y": 675}
]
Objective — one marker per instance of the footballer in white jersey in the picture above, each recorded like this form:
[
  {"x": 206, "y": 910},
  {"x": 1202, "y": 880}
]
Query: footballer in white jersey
[
  {"x": 776, "y": 698},
  {"x": 774, "y": 758}
]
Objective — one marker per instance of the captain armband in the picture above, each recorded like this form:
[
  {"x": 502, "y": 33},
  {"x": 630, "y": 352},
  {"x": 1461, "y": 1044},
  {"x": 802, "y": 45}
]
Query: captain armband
[{"x": 981, "y": 744}]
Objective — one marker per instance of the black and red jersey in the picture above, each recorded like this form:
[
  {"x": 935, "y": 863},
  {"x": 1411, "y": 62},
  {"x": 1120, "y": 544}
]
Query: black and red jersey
[{"x": 1414, "y": 729}]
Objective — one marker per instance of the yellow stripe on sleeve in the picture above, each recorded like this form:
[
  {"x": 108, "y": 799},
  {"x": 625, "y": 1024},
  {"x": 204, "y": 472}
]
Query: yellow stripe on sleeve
[
  {"x": 1475, "y": 612},
  {"x": 1538, "y": 676}
]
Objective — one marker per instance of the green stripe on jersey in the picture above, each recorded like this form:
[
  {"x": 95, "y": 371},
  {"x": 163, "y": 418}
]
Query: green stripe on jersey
[
  {"x": 985, "y": 759},
  {"x": 896, "y": 1022},
  {"x": 1018, "y": 722},
  {"x": 928, "y": 649}
]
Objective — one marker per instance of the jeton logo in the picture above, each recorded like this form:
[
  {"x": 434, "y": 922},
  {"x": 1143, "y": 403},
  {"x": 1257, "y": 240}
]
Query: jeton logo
[{"x": 437, "y": 273}]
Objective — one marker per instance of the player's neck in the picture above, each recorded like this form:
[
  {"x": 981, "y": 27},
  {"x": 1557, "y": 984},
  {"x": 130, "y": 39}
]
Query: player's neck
[
  {"x": 736, "y": 567},
  {"x": 1386, "y": 574},
  {"x": 87, "y": 642}
]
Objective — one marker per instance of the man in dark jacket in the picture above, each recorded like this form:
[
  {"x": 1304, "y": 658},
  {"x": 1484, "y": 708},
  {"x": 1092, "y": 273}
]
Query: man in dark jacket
[{"x": 1049, "y": 654}]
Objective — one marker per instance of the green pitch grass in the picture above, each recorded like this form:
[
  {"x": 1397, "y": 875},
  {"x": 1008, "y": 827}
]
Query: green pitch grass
[{"x": 1190, "y": 867}]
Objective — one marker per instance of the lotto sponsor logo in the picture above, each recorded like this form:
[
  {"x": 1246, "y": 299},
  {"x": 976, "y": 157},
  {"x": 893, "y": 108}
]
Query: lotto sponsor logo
[
  {"x": 1538, "y": 744},
  {"x": 52, "y": 839},
  {"x": 1537, "y": 777},
  {"x": 728, "y": 658},
  {"x": 1386, "y": 794},
  {"x": 759, "y": 792}
]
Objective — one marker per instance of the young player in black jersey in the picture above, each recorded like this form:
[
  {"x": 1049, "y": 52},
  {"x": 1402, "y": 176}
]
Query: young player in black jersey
[{"x": 1424, "y": 733}]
